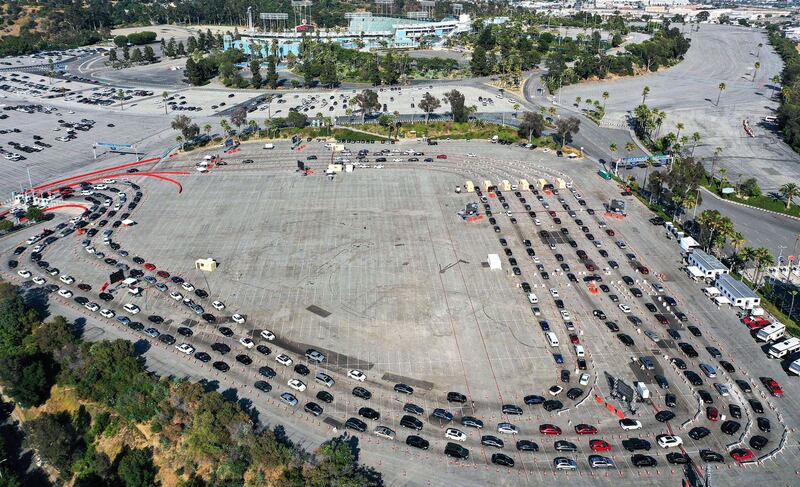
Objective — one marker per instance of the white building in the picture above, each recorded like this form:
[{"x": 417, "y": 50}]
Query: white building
[
  {"x": 737, "y": 292},
  {"x": 709, "y": 266}
]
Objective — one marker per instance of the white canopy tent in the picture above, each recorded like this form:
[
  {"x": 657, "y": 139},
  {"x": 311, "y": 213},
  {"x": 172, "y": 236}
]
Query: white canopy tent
[
  {"x": 694, "y": 271},
  {"x": 720, "y": 300},
  {"x": 494, "y": 262}
]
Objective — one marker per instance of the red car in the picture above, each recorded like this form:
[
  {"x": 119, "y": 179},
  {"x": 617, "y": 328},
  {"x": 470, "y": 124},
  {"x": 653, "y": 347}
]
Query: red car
[
  {"x": 599, "y": 445},
  {"x": 610, "y": 232},
  {"x": 549, "y": 429},
  {"x": 149, "y": 266},
  {"x": 442, "y": 156},
  {"x": 585, "y": 429},
  {"x": 772, "y": 385},
  {"x": 741, "y": 454},
  {"x": 591, "y": 267},
  {"x": 712, "y": 413},
  {"x": 573, "y": 338},
  {"x": 163, "y": 274},
  {"x": 662, "y": 319},
  {"x": 644, "y": 270}
]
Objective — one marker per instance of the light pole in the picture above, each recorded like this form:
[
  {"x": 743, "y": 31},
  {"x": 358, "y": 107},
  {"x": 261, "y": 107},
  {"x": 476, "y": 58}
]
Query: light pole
[{"x": 791, "y": 308}]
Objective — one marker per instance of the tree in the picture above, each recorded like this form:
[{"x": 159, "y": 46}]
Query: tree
[
  {"x": 34, "y": 214},
  {"x": 387, "y": 121},
  {"x": 750, "y": 188},
  {"x": 457, "y": 108},
  {"x": 429, "y": 104},
  {"x": 721, "y": 87},
  {"x": 191, "y": 44},
  {"x": 170, "y": 48},
  {"x": 207, "y": 128},
  {"x": 789, "y": 191},
  {"x": 532, "y": 125},
  {"x": 255, "y": 73},
  {"x": 112, "y": 55},
  {"x": 6, "y": 225},
  {"x": 25, "y": 379},
  {"x": 645, "y": 92},
  {"x": 55, "y": 439},
  {"x": 126, "y": 53},
  {"x": 136, "y": 55},
  {"x": 695, "y": 140},
  {"x": 756, "y": 67},
  {"x": 479, "y": 64},
  {"x": 296, "y": 119},
  {"x": 680, "y": 127},
  {"x": 184, "y": 124},
  {"x": 181, "y": 51},
  {"x": 630, "y": 147},
  {"x": 604, "y": 96},
  {"x": 328, "y": 77},
  {"x": 368, "y": 102},
  {"x": 164, "y": 96},
  {"x": 566, "y": 127},
  {"x": 136, "y": 469},
  {"x": 225, "y": 126},
  {"x": 272, "y": 73},
  {"x": 239, "y": 117},
  {"x": 149, "y": 54},
  {"x": 763, "y": 258},
  {"x": 702, "y": 16}
]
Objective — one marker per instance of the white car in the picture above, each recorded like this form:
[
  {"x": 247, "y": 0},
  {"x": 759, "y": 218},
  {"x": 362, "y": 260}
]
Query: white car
[
  {"x": 107, "y": 313},
  {"x": 65, "y": 293},
  {"x": 238, "y": 318},
  {"x": 185, "y": 348},
  {"x": 24, "y": 273},
  {"x": 625, "y": 308},
  {"x": 584, "y": 380},
  {"x": 283, "y": 359},
  {"x": 629, "y": 424},
  {"x": 66, "y": 279},
  {"x": 378, "y": 166},
  {"x": 267, "y": 335},
  {"x": 565, "y": 314},
  {"x": 562, "y": 463},
  {"x": 93, "y": 307},
  {"x": 297, "y": 385},
  {"x": 669, "y": 441},
  {"x": 187, "y": 287},
  {"x": 39, "y": 280},
  {"x": 100, "y": 187},
  {"x": 218, "y": 305},
  {"x": 90, "y": 249},
  {"x": 176, "y": 296},
  {"x": 131, "y": 308},
  {"x": 385, "y": 432},
  {"x": 507, "y": 428},
  {"x": 109, "y": 181},
  {"x": 471, "y": 154},
  {"x": 555, "y": 390},
  {"x": 356, "y": 374},
  {"x": 455, "y": 434},
  {"x": 554, "y": 292},
  {"x": 247, "y": 342}
]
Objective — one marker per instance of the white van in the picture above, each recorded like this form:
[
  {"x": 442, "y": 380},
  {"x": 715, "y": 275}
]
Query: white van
[
  {"x": 533, "y": 298},
  {"x": 552, "y": 339},
  {"x": 641, "y": 389},
  {"x": 269, "y": 146},
  {"x": 579, "y": 351}
]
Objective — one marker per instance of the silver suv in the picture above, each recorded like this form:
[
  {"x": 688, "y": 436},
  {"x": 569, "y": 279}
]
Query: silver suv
[{"x": 315, "y": 355}]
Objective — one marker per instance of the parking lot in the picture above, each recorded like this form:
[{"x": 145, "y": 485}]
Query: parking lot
[{"x": 340, "y": 264}]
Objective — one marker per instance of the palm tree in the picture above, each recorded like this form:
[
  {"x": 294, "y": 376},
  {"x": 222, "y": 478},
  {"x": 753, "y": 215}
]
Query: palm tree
[
  {"x": 648, "y": 164},
  {"x": 775, "y": 80},
  {"x": 121, "y": 96},
  {"x": 179, "y": 139},
  {"x": 629, "y": 147},
  {"x": 789, "y": 191},
  {"x": 207, "y": 128},
  {"x": 695, "y": 139},
  {"x": 746, "y": 255},
  {"x": 577, "y": 101},
  {"x": 605, "y": 96},
  {"x": 253, "y": 125},
  {"x": 758, "y": 52},
  {"x": 757, "y": 66},
  {"x": 226, "y": 127},
  {"x": 552, "y": 111},
  {"x": 164, "y": 96},
  {"x": 645, "y": 92},
  {"x": 680, "y": 127},
  {"x": 763, "y": 258},
  {"x": 612, "y": 148},
  {"x": 717, "y": 152},
  {"x": 721, "y": 87},
  {"x": 737, "y": 242}
]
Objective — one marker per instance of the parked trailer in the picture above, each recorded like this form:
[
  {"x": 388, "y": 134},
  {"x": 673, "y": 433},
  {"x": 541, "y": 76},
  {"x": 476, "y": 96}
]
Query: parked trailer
[
  {"x": 794, "y": 367},
  {"x": 469, "y": 187},
  {"x": 784, "y": 348},
  {"x": 771, "y": 332},
  {"x": 486, "y": 185},
  {"x": 559, "y": 183},
  {"x": 523, "y": 185},
  {"x": 541, "y": 183},
  {"x": 505, "y": 185}
]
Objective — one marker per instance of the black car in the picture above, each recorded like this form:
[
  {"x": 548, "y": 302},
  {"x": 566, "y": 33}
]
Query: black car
[
  {"x": 735, "y": 410},
  {"x": 502, "y": 460},
  {"x": 763, "y": 424},
  {"x": 184, "y": 331},
  {"x": 262, "y": 386},
  {"x": 552, "y": 405},
  {"x": 756, "y": 405},
  {"x": 325, "y": 396},
  {"x": 613, "y": 327},
  {"x": 417, "y": 442},
  {"x": 625, "y": 339},
  {"x": 694, "y": 330},
  {"x": 664, "y": 416},
  {"x": 670, "y": 400},
  {"x": 758, "y": 442},
  {"x": 527, "y": 445},
  {"x": 244, "y": 359},
  {"x": 200, "y": 293},
  {"x": 710, "y": 456},
  {"x": 744, "y": 386},
  {"x": 362, "y": 393},
  {"x": 155, "y": 319},
  {"x": 413, "y": 409},
  {"x": 168, "y": 339},
  {"x": 705, "y": 396},
  {"x": 574, "y": 393},
  {"x": 302, "y": 369},
  {"x": 511, "y": 409},
  {"x": 640, "y": 461},
  {"x": 730, "y": 427},
  {"x": 533, "y": 399},
  {"x": 403, "y": 389},
  {"x": 565, "y": 376},
  {"x": 634, "y": 444},
  {"x": 138, "y": 260},
  {"x": 369, "y": 413},
  {"x": 493, "y": 441},
  {"x": 267, "y": 371},
  {"x": 19, "y": 250},
  {"x": 679, "y": 363},
  {"x": 688, "y": 350},
  {"x": 565, "y": 446},
  {"x": 221, "y": 366},
  {"x": 220, "y": 348},
  {"x": 442, "y": 414},
  {"x": 263, "y": 349},
  {"x": 456, "y": 451},
  {"x": 693, "y": 378},
  {"x": 699, "y": 432},
  {"x": 202, "y": 356},
  {"x": 12, "y": 264},
  {"x": 208, "y": 318},
  {"x": 356, "y": 424},
  {"x": 678, "y": 458},
  {"x": 411, "y": 422},
  {"x": 225, "y": 331},
  {"x": 456, "y": 397},
  {"x": 729, "y": 368}
]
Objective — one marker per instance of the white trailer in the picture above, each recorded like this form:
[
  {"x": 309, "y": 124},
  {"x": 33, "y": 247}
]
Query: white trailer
[
  {"x": 784, "y": 348},
  {"x": 772, "y": 332},
  {"x": 794, "y": 368}
]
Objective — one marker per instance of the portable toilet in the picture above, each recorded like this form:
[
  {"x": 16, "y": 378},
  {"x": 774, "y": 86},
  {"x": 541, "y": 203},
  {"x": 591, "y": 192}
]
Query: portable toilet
[
  {"x": 505, "y": 185},
  {"x": 523, "y": 185},
  {"x": 559, "y": 183},
  {"x": 486, "y": 185},
  {"x": 541, "y": 183},
  {"x": 348, "y": 168},
  {"x": 469, "y": 186}
]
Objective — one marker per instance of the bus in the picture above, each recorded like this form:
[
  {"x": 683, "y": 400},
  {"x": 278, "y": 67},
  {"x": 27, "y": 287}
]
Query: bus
[{"x": 780, "y": 350}]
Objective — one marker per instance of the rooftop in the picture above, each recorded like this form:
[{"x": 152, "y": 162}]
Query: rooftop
[
  {"x": 707, "y": 262},
  {"x": 737, "y": 289}
]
